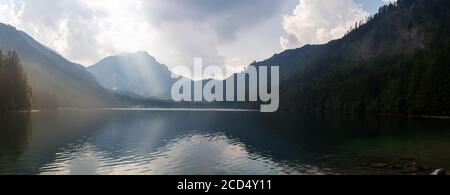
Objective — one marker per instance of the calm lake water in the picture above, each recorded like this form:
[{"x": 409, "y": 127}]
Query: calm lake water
[{"x": 204, "y": 142}]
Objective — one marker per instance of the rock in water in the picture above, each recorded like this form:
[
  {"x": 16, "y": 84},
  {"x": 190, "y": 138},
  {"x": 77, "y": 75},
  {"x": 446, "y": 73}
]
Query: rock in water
[
  {"x": 413, "y": 167},
  {"x": 379, "y": 165},
  {"x": 439, "y": 172}
]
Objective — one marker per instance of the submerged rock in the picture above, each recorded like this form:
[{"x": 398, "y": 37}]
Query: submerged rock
[
  {"x": 413, "y": 167},
  {"x": 439, "y": 172},
  {"x": 396, "y": 166},
  {"x": 379, "y": 165}
]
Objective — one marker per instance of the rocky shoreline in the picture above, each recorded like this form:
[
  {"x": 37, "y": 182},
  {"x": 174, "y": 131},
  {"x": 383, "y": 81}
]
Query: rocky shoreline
[{"x": 351, "y": 164}]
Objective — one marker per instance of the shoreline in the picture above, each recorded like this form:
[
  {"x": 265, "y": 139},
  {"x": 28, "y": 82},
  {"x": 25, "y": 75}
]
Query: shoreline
[
  {"x": 29, "y": 111},
  {"x": 226, "y": 109},
  {"x": 415, "y": 116},
  {"x": 21, "y": 111},
  {"x": 357, "y": 164},
  {"x": 436, "y": 117},
  {"x": 163, "y": 109},
  {"x": 372, "y": 114}
]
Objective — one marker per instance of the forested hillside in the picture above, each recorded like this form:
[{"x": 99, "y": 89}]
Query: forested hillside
[{"x": 398, "y": 62}]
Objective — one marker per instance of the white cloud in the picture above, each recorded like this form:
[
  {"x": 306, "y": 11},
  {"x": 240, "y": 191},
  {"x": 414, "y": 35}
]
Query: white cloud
[
  {"x": 83, "y": 31},
  {"x": 389, "y": 1},
  {"x": 7, "y": 12},
  {"x": 319, "y": 21},
  {"x": 174, "y": 31}
]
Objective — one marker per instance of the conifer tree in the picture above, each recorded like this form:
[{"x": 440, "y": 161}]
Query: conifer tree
[{"x": 15, "y": 92}]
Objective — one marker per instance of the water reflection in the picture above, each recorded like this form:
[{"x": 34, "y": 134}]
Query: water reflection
[
  {"x": 14, "y": 131},
  {"x": 160, "y": 142},
  {"x": 97, "y": 142},
  {"x": 191, "y": 154}
]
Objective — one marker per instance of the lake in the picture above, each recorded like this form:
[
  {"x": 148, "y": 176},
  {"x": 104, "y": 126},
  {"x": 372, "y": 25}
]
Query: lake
[{"x": 202, "y": 142}]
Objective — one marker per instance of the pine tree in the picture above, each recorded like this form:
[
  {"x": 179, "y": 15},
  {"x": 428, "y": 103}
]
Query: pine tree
[
  {"x": 2, "y": 82},
  {"x": 15, "y": 92}
]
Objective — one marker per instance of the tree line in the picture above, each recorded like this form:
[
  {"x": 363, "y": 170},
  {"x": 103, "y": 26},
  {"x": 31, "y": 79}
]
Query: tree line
[{"x": 15, "y": 91}]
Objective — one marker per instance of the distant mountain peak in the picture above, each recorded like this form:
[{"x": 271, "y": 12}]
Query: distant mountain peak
[
  {"x": 136, "y": 53},
  {"x": 3, "y": 25},
  {"x": 134, "y": 72}
]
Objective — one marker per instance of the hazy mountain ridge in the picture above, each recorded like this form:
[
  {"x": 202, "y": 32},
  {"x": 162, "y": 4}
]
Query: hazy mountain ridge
[
  {"x": 137, "y": 73},
  {"x": 56, "y": 82}
]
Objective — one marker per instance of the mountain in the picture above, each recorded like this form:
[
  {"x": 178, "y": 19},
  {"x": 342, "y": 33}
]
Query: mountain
[
  {"x": 55, "y": 81},
  {"x": 395, "y": 63},
  {"x": 134, "y": 73}
]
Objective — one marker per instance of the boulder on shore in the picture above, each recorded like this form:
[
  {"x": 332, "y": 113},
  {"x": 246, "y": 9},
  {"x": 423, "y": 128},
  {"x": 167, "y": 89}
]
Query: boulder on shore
[{"x": 439, "y": 172}]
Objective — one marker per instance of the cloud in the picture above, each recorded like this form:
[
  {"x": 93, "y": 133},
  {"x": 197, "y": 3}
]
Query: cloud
[
  {"x": 225, "y": 17},
  {"x": 388, "y": 1},
  {"x": 83, "y": 31},
  {"x": 174, "y": 31},
  {"x": 319, "y": 21}
]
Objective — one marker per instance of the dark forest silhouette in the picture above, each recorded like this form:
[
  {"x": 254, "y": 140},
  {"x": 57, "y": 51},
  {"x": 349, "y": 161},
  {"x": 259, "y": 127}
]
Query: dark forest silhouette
[{"x": 15, "y": 92}]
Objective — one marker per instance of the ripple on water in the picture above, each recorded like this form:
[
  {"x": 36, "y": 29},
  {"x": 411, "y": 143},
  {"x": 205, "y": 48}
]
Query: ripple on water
[{"x": 192, "y": 153}]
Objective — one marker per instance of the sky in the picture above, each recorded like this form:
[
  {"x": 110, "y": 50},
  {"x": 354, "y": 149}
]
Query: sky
[{"x": 230, "y": 33}]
